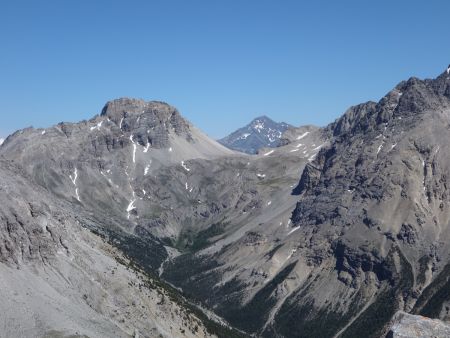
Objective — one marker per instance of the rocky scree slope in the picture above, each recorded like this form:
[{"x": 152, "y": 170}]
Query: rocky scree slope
[
  {"x": 262, "y": 132},
  {"x": 60, "y": 279}
]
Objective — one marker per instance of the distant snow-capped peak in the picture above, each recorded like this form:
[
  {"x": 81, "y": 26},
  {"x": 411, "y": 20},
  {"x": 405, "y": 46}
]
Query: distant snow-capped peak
[{"x": 259, "y": 133}]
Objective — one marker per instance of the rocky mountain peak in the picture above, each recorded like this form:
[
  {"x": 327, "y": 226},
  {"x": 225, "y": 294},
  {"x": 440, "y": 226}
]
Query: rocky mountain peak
[
  {"x": 126, "y": 106},
  {"x": 262, "y": 122},
  {"x": 405, "y": 104},
  {"x": 145, "y": 117},
  {"x": 261, "y": 132}
]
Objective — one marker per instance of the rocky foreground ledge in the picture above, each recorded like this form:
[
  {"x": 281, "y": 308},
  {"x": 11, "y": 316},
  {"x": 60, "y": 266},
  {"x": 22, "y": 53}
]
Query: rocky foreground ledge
[{"x": 412, "y": 326}]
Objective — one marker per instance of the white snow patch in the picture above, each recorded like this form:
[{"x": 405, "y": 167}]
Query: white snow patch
[
  {"x": 293, "y": 230},
  {"x": 258, "y": 126},
  {"x": 147, "y": 147},
  {"x": 144, "y": 192},
  {"x": 78, "y": 196},
  {"x": 380, "y": 147},
  {"x": 269, "y": 203},
  {"x": 294, "y": 150},
  {"x": 393, "y": 146},
  {"x": 97, "y": 126},
  {"x": 170, "y": 149},
  {"x": 43, "y": 132},
  {"x": 147, "y": 168},
  {"x": 184, "y": 166},
  {"x": 1, "y": 141},
  {"x": 378, "y": 136},
  {"x": 268, "y": 153},
  {"x": 120, "y": 124},
  {"x": 134, "y": 153},
  {"x": 74, "y": 177},
  {"x": 448, "y": 70},
  {"x": 303, "y": 135},
  {"x": 74, "y": 181},
  {"x": 134, "y": 148},
  {"x": 187, "y": 186},
  {"x": 109, "y": 180},
  {"x": 290, "y": 255},
  {"x": 289, "y": 222},
  {"x": 261, "y": 175},
  {"x": 312, "y": 157},
  {"x": 317, "y": 148},
  {"x": 131, "y": 205},
  {"x": 298, "y": 145},
  {"x": 244, "y": 136}
]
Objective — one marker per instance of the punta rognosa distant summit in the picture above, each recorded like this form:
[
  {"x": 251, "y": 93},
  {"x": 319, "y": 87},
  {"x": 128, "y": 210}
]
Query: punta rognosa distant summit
[
  {"x": 262, "y": 132},
  {"x": 124, "y": 224}
]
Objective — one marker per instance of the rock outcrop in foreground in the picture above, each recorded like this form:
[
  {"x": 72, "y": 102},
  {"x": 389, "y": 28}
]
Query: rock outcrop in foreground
[{"x": 411, "y": 326}]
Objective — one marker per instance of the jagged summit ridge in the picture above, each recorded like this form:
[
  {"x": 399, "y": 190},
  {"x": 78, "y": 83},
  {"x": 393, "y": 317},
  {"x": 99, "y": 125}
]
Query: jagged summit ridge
[{"x": 409, "y": 100}]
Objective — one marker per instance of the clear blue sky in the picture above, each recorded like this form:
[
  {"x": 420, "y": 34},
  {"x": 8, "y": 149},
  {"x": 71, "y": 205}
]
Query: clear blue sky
[{"x": 221, "y": 63}]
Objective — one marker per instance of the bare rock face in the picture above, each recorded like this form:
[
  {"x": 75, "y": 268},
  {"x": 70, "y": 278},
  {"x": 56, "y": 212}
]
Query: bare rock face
[
  {"x": 30, "y": 226},
  {"x": 411, "y": 326},
  {"x": 150, "y": 121}
]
